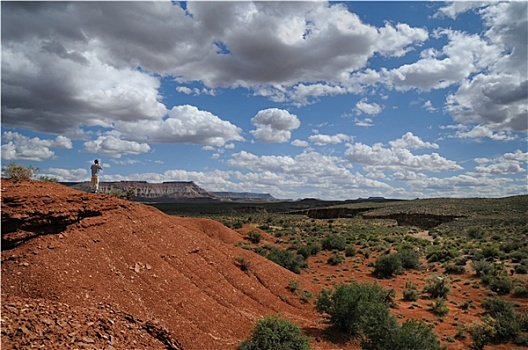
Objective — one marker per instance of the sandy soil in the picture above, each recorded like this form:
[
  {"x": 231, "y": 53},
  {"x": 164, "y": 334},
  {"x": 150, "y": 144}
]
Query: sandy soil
[{"x": 90, "y": 271}]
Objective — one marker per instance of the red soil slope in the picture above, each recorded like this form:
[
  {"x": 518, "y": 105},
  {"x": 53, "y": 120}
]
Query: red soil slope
[{"x": 91, "y": 271}]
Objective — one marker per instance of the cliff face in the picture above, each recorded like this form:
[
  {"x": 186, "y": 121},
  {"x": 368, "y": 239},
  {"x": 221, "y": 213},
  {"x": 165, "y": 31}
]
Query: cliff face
[{"x": 173, "y": 190}]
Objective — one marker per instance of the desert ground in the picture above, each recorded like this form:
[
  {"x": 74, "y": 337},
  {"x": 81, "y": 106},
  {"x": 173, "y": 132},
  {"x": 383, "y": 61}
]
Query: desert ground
[{"x": 92, "y": 271}]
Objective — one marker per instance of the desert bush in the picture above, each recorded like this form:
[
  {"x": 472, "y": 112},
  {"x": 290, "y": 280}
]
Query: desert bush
[
  {"x": 483, "y": 268},
  {"x": 309, "y": 250},
  {"x": 491, "y": 251},
  {"x": 409, "y": 258},
  {"x": 124, "y": 194},
  {"x": 18, "y": 172},
  {"x": 500, "y": 284},
  {"x": 273, "y": 333},
  {"x": 336, "y": 258},
  {"x": 482, "y": 333},
  {"x": 387, "y": 265},
  {"x": 410, "y": 293},
  {"x": 334, "y": 241},
  {"x": 506, "y": 321},
  {"x": 350, "y": 250},
  {"x": 437, "y": 286},
  {"x": 243, "y": 263},
  {"x": 439, "y": 307},
  {"x": 414, "y": 334},
  {"x": 350, "y": 306},
  {"x": 293, "y": 285},
  {"x": 437, "y": 254},
  {"x": 285, "y": 258},
  {"x": 360, "y": 309},
  {"x": 254, "y": 236},
  {"x": 521, "y": 269},
  {"x": 454, "y": 269},
  {"x": 520, "y": 291},
  {"x": 44, "y": 178}
]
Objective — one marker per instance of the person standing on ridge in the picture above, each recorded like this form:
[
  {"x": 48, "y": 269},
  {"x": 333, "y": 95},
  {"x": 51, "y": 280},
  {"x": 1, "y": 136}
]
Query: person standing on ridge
[{"x": 95, "y": 178}]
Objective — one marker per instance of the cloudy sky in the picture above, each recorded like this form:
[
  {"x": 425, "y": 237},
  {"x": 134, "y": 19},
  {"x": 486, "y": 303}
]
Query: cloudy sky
[{"x": 333, "y": 100}]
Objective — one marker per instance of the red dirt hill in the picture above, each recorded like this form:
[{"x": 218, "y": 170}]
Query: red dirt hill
[{"x": 91, "y": 271}]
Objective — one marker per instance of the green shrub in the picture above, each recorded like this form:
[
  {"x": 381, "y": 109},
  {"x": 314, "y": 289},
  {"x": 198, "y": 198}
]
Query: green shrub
[
  {"x": 409, "y": 258},
  {"x": 454, "y": 269},
  {"x": 501, "y": 284},
  {"x": 410, "y": 293},
  {"x": 437, "y": 286},
  {"x": 334, "y": 241},
  {"x": 350, "y": 306},
  {"x": 254, "y": 236},
  {"x": 243, "y": 263},
  {"x": 412, "y": 335},
  {"x": 18, "y": 172},
  {"x": 506, "y": 322},
  {"x": 286, "y": 259},
  {"x": 44, "y": 178},
  {"x": 482, "y": 333},
  {"x": 336, "y": 258},
  {"x": 439, "y": 307},
  {"x": 350, "y": 250},
  {"x": 309, "y": 250},
  {"x": 272, "y": 333},
  {"x": 387, "y": 265},
  {"x": 520, "y": 291}
]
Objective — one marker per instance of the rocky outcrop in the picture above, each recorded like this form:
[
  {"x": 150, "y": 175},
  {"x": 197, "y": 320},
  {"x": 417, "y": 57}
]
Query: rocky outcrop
[{"x": 143, "y": 190}]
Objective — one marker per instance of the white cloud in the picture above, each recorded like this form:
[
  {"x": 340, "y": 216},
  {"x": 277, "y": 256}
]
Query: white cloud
[
  {"x": 111, "y": 144},
  {"x": 368, "y": 108},
  {"x": 377, "y": 157},
  {"x": 428, "y": 105},
  {"x": 322, "y": 140},
  {"x": 365, "y": 123},
  {"x": 479, "y": 132},
  {"x": 454, "y": 8},
  {"x": 274, "y": 125},
  {"x": 509, "y": 163},
  {"x": 184, "y": 124},
  {"x": 410, "y": 141},
  {"x": 497, "y": 98},
  {"x": 299, "y": 143},
  {"x": 18, "y": 146}
]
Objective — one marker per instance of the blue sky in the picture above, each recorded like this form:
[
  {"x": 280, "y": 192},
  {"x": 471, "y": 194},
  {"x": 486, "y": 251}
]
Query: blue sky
[{"x": 332, "y": 100}]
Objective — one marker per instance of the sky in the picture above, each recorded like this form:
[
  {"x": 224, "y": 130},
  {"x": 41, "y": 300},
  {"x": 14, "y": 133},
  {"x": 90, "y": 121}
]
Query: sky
[{"x": 328, "y": 100}]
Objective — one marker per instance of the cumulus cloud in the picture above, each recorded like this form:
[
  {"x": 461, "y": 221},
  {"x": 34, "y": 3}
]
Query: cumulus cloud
[
  {"x": 111, "y": 144},
  {"x": 377, "y": 157},
  {"x": 299, "y": 143},
  {"x": 497, "y": 98},
  {"x": 18, "y": 146},
  {"x": 92, "y": 63},
  {"x": 184, "y": 124},
  {"x": 274, "y": 125},
  {"x": 308, "y": 169},
  {"x": 479, "y": 132},
  {"x": 410, "y": 141},
  {"x": 368, "y": 108},
  {"x": 322, "y": 140},
  {"x": 508, "y": 163}
]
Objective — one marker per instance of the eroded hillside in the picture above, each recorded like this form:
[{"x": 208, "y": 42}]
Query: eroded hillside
[{"x": 93, "y": 271}]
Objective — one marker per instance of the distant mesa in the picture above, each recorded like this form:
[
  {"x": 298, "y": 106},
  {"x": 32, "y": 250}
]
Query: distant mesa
[{"x": 170, "y": 191}]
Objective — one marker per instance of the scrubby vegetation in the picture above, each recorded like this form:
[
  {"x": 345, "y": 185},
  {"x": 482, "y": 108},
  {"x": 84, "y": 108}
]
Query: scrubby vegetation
[
  {"x": 476, "y": 247},
  {"x": 273, "y": 333},
  {"x": 362, "y": 310},
  {"x": 18, "y": 172}
]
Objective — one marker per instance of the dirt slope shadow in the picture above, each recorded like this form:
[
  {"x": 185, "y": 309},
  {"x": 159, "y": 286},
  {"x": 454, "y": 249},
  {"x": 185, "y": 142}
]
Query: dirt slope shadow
[{"x": 92, "y": 269}]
